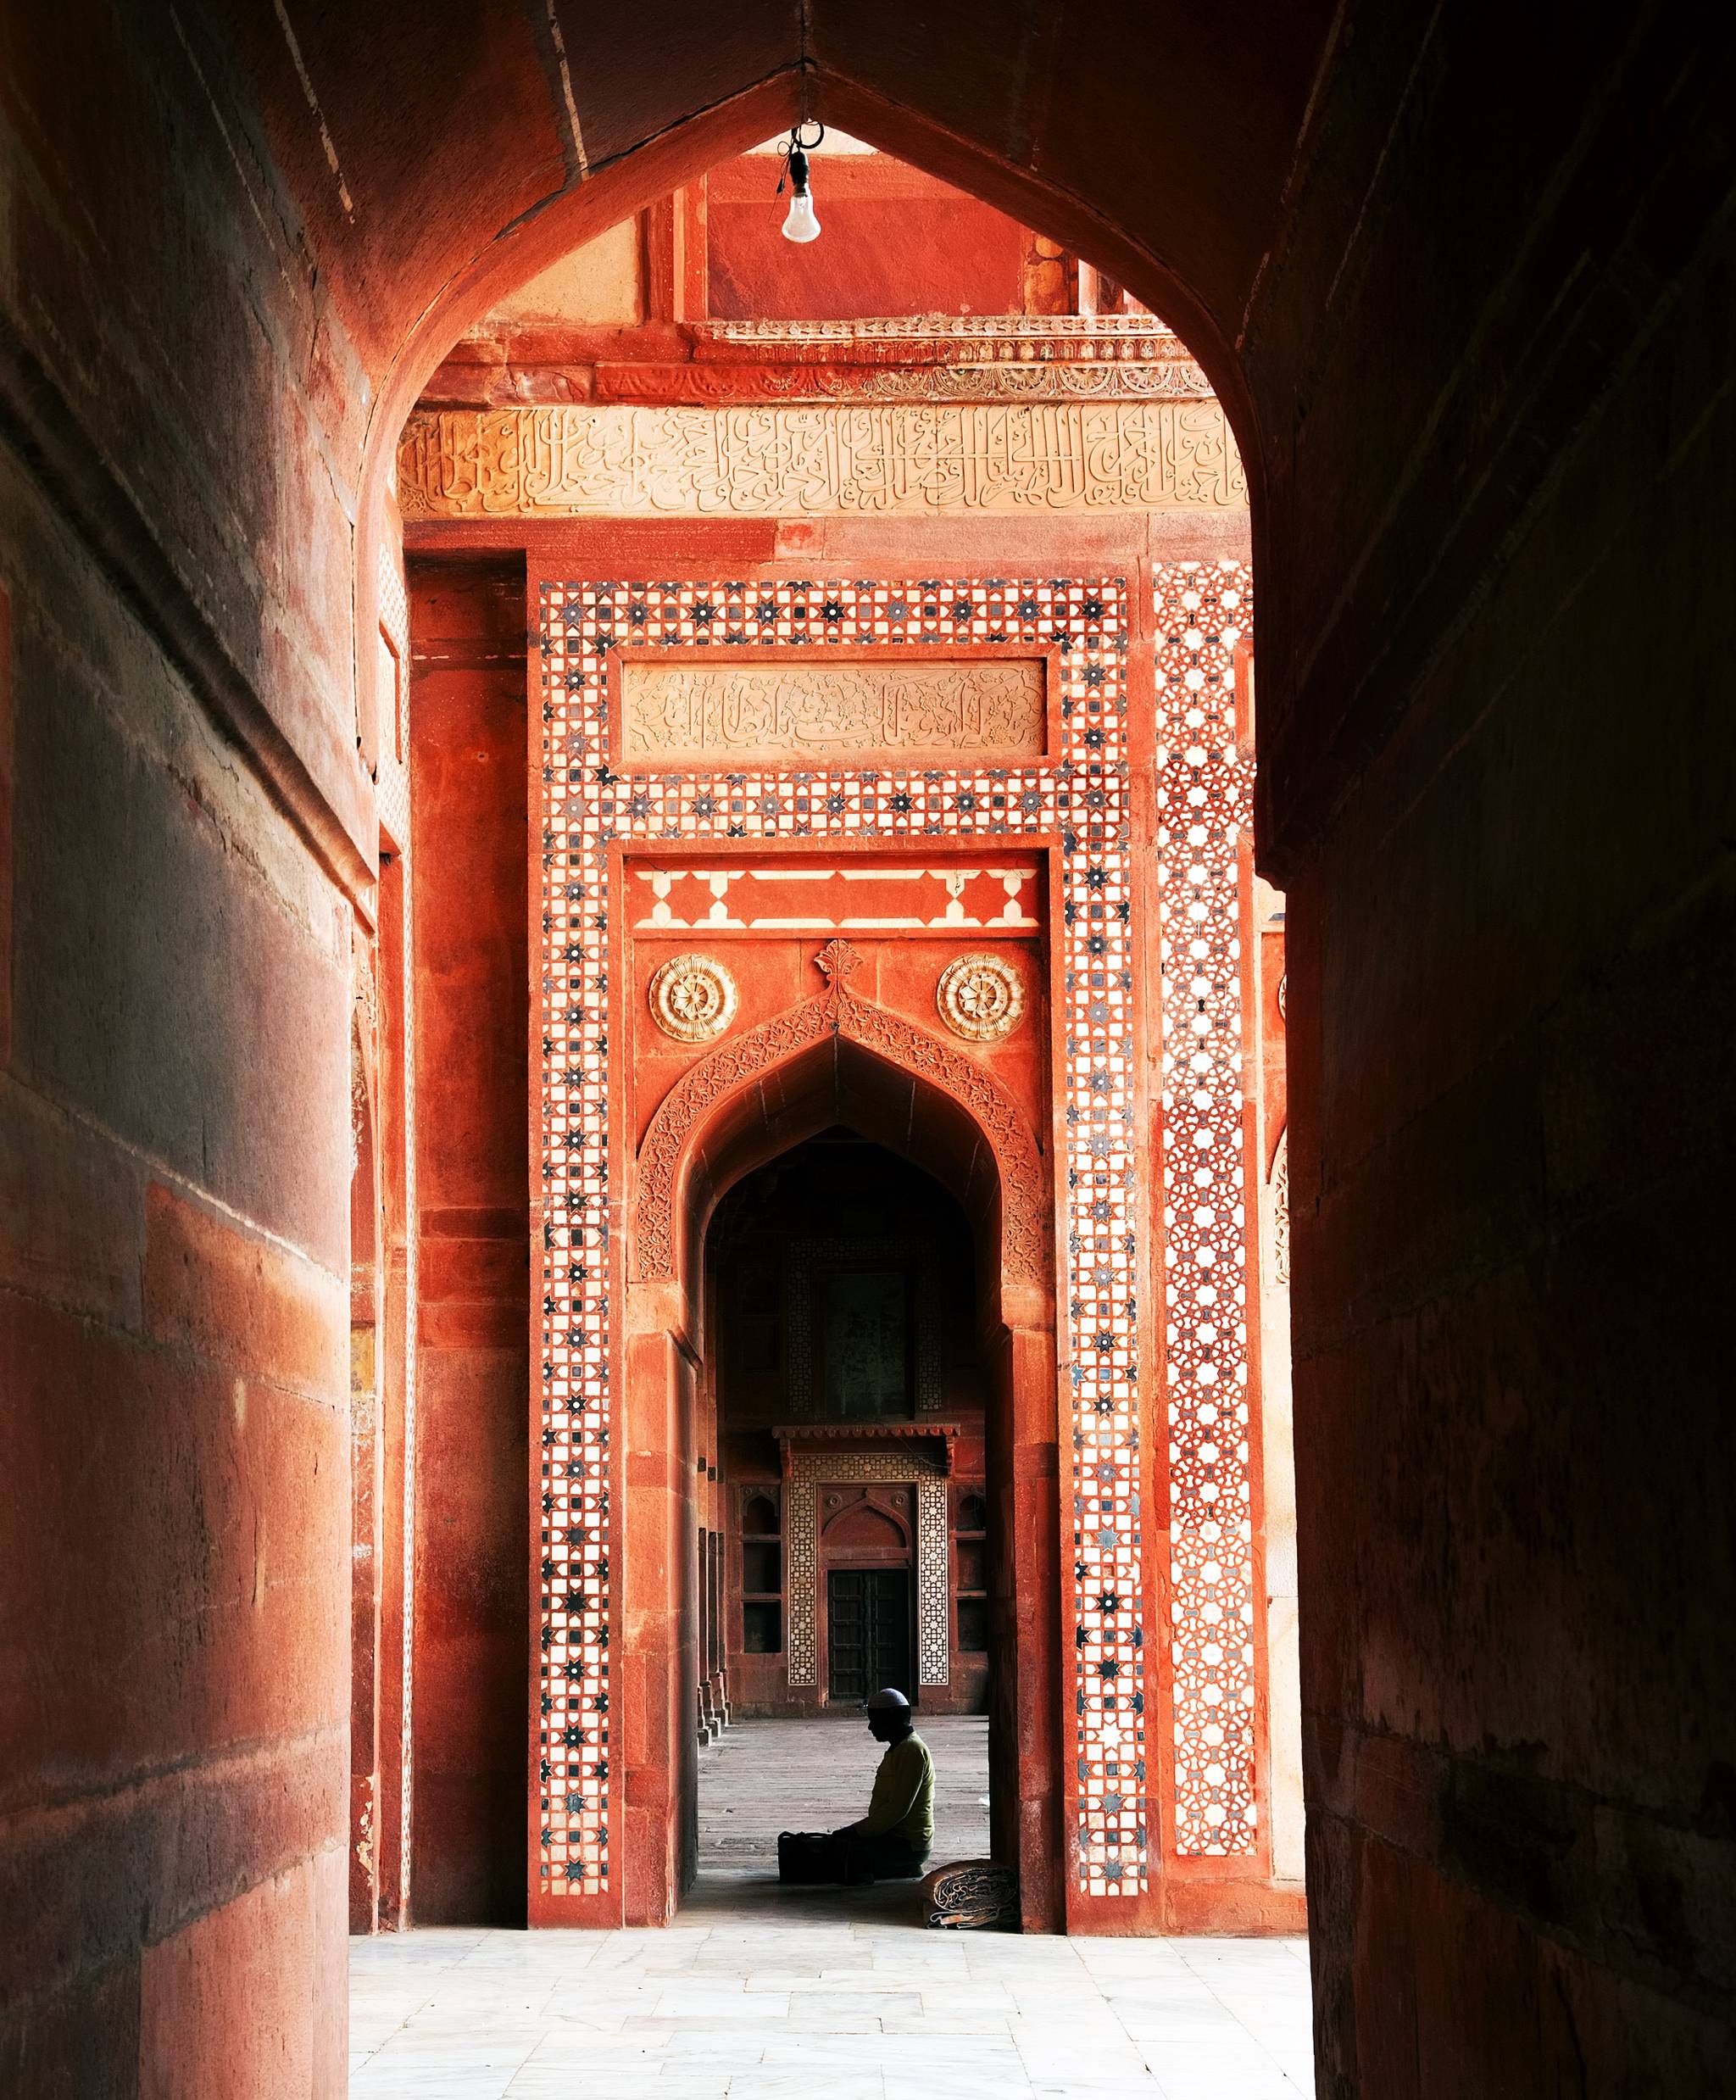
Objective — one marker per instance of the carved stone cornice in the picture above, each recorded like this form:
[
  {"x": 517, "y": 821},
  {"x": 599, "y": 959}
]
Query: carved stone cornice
[
  {"x": 988, "y": 357},
  {"x": 863, "y": 1432},
  {"x": 794, "y": 1437},
  {"x": 1010, "y": 459},
  {"x": 822, "y": 381},
  {"x": 937, "y": 359},
  {"x": 979, "y": 335}
]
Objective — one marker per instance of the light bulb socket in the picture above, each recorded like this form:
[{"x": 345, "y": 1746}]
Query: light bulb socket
[{"x": 798, "y": 171}]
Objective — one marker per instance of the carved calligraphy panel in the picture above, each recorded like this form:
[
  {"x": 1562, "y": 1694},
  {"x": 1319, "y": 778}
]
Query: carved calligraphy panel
[
  {"x": 795, "y": 708},
  {"x": 1004, "y": 460}
]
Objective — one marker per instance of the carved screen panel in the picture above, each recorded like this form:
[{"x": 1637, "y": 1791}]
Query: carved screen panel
[{"x": 865, "y": 1339}]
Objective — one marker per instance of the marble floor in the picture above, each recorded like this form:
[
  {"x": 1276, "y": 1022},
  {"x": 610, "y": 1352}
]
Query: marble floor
[
  {"x": 762, "y": 1993},
  {"x": 761, "y": 1777},
  {"x": 741, "y": 2001}
]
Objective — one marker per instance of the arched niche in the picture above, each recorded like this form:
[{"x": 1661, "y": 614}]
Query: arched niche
[{"x": 869, "y": 1525}]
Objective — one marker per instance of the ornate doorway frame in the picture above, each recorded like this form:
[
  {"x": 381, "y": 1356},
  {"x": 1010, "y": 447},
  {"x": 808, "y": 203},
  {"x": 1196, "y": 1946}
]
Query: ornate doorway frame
[
  {"x": 806, "y": 1474},
  {"x": 693, "y": 1149}
]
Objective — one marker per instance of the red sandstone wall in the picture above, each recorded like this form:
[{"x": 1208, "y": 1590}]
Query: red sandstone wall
[
  {"x": 893, "y": 240},
  {"x": 472, "y": 1615},
  {"x": 174, "y": 1316},
  {"x": 1509, "y": 1167},
  {"x": 174, "y": 1085},
  {"x": 1497, "y": 440},
  {"x": 1510, "y": 1014}
]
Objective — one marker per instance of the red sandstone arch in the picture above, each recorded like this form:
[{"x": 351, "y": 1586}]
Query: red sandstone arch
[
  {"x": 1474, "y": 378},
  {"x": 839, "y": 1058},
  {"x": 573, "y": 139},
  {"x": 823, "y": 1061}
]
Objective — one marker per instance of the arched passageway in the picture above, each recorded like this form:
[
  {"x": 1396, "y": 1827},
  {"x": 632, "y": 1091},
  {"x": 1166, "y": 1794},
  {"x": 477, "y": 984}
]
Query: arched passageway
[
  {"x": 847, "y": 1414},
  {"x": 838, "y": 1061},
  {"x": 1488, "y": 436}
]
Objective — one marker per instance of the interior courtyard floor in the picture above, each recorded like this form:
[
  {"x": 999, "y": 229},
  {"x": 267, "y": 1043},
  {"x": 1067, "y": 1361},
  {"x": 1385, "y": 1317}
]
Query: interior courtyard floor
[
  {"x": 757, "y": 1993},
  {"x": 761, "y": 1777}
]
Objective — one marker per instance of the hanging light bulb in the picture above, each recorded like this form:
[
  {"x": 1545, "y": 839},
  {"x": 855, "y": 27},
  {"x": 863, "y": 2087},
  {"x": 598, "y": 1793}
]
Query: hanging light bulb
[{"x": 799, "y": 224}]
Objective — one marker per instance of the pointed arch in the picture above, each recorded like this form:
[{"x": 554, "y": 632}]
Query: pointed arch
[
  {"x": 704, "y": 1094},
  {"x": 839, "y": 1058}
]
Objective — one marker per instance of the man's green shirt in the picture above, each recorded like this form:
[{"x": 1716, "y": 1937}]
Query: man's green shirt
[{"x": 901, "y": 1803}]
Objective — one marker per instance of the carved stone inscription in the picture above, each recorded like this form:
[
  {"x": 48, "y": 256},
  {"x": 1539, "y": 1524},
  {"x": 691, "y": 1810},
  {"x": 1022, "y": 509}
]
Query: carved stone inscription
[
  {"x": 688, "y": 713},
  {"x": 1002, "y": 460}
]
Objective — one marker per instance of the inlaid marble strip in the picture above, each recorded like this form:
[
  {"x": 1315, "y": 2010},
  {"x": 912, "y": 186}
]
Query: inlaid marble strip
[
  {"x": 1204, "y": 802},
  {"x": 1083, "y": 798}
]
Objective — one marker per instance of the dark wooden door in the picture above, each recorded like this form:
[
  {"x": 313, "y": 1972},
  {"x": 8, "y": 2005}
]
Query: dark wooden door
[{"x": 868, "y": 1632}]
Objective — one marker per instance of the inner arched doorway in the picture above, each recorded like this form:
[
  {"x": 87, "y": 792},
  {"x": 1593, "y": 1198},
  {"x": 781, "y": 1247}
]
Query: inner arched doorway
[
  {"x": 839, "y": 1061},
  {"x": 843, "y": 1485}
]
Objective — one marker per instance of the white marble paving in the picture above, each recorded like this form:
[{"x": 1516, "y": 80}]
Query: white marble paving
[{"x": 762, "y": 1994}]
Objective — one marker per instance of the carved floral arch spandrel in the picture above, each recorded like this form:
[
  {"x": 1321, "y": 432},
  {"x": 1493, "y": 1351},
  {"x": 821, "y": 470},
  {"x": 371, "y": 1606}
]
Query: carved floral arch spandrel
[{"x": 839, "y": 1012}]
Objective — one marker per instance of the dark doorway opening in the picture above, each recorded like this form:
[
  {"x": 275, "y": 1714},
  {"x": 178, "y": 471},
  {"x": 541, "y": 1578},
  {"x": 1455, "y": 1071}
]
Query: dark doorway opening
[
  {"x": 868, "y": 1633},
  {"x": 844, "y": 1407},
  {"x": 843, "y": 1401}
]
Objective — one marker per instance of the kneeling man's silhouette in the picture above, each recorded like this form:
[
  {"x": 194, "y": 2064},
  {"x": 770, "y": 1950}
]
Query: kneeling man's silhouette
[{"x": 892, "y": 1841}]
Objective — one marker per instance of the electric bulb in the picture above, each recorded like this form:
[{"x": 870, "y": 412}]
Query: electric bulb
[{"x": 801, "y": 224}]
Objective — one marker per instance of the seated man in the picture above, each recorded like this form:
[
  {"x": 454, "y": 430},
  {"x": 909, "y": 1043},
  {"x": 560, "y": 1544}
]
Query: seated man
[{"x": 891, "y": 1840}]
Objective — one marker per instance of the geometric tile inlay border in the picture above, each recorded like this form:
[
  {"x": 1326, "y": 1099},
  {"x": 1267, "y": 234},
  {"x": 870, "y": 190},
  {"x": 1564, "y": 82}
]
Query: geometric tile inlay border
[
  {"x": 1204, "y": 787},
  {"x": 1081, "y": 796}
]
